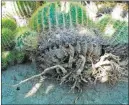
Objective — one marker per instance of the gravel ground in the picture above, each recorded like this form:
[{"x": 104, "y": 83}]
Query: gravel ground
[{"x": 52, "y": 93}]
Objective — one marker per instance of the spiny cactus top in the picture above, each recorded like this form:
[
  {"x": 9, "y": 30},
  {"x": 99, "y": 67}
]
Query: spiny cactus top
[
  {"x": 50, "y": 16},
  {"x": 24, "y": 9}
]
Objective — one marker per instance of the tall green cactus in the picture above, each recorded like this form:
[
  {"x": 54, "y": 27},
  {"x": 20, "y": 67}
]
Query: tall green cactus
[{"x": 50, "y": 16}]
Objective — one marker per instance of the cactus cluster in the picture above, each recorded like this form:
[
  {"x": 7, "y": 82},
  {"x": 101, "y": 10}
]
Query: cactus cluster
[
  {"x": 49, "y": 17},
  {"x": 10, "y": 56}
]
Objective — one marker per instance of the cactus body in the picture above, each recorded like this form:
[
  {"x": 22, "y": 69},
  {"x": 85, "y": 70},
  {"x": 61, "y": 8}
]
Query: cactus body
[
  {"x": 50, "y": 16},
  {"x": 26, "y": 39},
  {"x": 7, "y": 39},
  {"x": 26, "y": 8},
  {"x": 9, "y": 23}
]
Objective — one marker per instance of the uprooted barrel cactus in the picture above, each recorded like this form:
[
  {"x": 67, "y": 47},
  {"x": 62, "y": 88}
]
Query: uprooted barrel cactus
[
  {"x": 76, "y": 55},
  {"x": 80, "y": 57}
]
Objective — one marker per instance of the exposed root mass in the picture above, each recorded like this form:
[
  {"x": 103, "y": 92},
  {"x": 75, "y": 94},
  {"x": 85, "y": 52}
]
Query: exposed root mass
[
  {"x": 76, "y": 59},
  {"x": 107, "y": 69}
]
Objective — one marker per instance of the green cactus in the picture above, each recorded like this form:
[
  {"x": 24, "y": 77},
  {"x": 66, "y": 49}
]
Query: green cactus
[
  {"x": 10, "y": 58},
  {"x": 50, "y": 16},
  {"x": 9, "y": 23},
  {"x": 7, "y": 39},
  {"x": 26, "y": 39},
  {"x": 120, "y": 28},
  {"x": 26, "y": 8},
  {"x": 121, "y": 33},
  {"x": 103, "y": 22}
]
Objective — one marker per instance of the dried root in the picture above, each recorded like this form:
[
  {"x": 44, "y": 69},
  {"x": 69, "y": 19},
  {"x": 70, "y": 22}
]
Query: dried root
[
  {"x": 82, "y": 65},
  {"x": 107, "y": 69},
  {"x": 43, "y": 73},
  {"x": 35, "y": 88}
]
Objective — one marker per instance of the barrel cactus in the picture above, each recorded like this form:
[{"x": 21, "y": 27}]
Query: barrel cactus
[
  {"x": 26, "y": 8},
  {"x": 7, "y": 39},
  {"x": 121, "y": 33},
  {"x": 116, "y": 30},
  {"x": 26, "y": 40},
  {"x": 15, "y": 57},
  {"x": 9, "y": 23},
  {"x": 10, "y": 58},
  {"x": 69, "y": 52},
  {"x": 69, "y": 56},
  {"x": 50, "y": 16}
]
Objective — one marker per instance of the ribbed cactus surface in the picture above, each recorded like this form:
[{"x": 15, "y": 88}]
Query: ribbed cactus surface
[
  {"x": 7, "y": 39},
  {"x": 25, "y": 8},
  {"x": 51, "y": 16}
]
